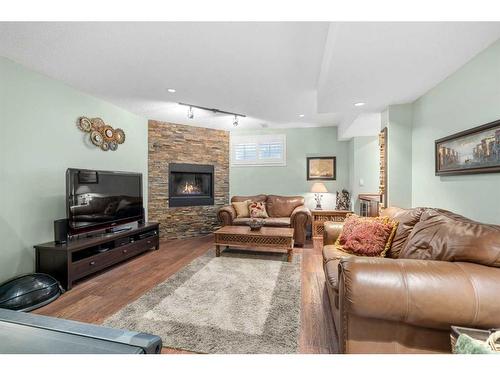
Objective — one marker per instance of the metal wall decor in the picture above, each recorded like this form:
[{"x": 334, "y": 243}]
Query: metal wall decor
[{"x": 101, "y": 135}]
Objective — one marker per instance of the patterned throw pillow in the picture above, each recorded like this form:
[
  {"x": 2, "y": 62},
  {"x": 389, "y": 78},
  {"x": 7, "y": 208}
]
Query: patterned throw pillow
[
  {"x": 258, "y": 210},
  {"x": 367, "y": 236},
  {"x": 241, "y": 208}
]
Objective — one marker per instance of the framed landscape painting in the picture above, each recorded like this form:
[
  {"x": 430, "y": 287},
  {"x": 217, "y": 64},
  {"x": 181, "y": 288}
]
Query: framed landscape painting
[
  {"x": 321, "y": 168},
  {"x": 476, "y": 150}
]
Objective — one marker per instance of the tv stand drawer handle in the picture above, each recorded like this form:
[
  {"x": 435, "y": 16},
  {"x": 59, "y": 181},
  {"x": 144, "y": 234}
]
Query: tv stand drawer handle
[
  {"x": 92, "y": 263},
  {"x": 124, "y": 251}
]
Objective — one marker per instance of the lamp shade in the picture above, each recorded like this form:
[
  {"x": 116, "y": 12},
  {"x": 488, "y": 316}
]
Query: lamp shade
[{"x": 319, "y": 187}]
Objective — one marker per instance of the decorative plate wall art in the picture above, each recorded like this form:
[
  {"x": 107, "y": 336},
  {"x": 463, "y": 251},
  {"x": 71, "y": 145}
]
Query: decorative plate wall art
[{"x": 101, "y": 135}]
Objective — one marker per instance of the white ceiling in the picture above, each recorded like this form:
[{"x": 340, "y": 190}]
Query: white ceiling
[
  {"x": 383, "y": 63},
  {"x": 271, "y": 72}
]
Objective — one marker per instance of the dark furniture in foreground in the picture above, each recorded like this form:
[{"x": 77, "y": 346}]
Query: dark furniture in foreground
[
  {"x": 82, "y": 257},
  {"x": 441, "y": 270},
  {"x": 23, "y": 333},
  {"x": 283, "y": 211}
]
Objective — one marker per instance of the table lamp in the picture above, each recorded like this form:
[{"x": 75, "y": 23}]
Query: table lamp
[{"x": 318, "y": 188}]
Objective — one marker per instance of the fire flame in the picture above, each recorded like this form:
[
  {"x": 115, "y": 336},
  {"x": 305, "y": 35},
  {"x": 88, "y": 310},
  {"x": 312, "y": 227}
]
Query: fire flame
[{"x": 190, "y": 188}]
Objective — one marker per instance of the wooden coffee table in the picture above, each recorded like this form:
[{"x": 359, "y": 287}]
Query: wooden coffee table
[{"x": 264, "y": 238}]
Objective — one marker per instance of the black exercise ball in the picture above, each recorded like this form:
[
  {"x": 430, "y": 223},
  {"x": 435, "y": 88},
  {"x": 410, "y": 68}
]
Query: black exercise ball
[{"x": 29, "y": 292}]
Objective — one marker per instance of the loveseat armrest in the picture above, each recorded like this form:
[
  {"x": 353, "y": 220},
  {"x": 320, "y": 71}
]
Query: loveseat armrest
[
  {"x": 331, "y": 232},
  {"x": 226, "y": 215},
  {"x": 300, "y": 218},
  {"x": 424, "y": 293},
  {"x": 301, "y": 213}
]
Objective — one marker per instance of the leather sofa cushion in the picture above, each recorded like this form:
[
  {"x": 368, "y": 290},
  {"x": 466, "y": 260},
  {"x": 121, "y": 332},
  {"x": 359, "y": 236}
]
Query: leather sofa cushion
[
  {"x": 423, "y": 293},
  {"x": 252, "y": 198},
  {"x": 332, "y": 273},
  {"x": 331, "y": 231},
  {"x": 445, "y": 236},
  {"x": 331, "y": 258},
  {"x": 407, "y": 219},
  {"x": 333, "y": 252},
  {"x": 268, "y": 222},
  {"x": 277, "y": 222},
  {"x": 241, "y": 221},
  {"x": 281, "y": 206}
]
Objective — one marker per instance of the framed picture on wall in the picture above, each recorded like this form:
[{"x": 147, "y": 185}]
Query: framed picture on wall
[
  {"x": 476, "y": 150},
  {"x": 322, "y": 168}
]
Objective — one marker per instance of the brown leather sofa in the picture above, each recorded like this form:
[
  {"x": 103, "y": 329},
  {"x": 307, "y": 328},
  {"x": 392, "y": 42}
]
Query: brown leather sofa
[
  {"x": 283, "y": 211},
  {"x": 442, "y": 270}
]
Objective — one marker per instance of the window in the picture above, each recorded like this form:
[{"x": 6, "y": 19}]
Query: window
[{"x": 258, "y": 150}]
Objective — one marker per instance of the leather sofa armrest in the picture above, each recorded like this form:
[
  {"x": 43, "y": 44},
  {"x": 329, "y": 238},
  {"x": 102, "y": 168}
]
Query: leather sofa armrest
[
  {"x": 226, "y": 215},
  {"x": 432, "y": 294},
  {"x": 303, "y": 212},
  {"x": 299, "y": 220},
  {"x": 332, "y": 230}
]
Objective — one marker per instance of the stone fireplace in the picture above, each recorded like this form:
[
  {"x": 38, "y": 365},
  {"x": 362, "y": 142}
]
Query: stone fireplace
[
  {"x": 188, "y": 175},
  {"x": 190, "y": 185}
]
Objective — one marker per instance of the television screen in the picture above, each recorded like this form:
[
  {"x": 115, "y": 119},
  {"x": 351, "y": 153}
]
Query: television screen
[{"x": 98, "y": 199}]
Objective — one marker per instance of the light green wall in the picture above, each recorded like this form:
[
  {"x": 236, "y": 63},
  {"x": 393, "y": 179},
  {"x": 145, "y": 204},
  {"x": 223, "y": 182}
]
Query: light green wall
[
  {"x": 468, "y": 98},
  {"x": 363, "y": 165},
  {"x": 399, "y": 156},
  {"x": 291, "y": 179},
  {"x": 39, "y": 140}
]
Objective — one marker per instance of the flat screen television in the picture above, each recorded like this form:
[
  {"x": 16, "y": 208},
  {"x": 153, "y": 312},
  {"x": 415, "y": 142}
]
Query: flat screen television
[{"x": 102, "y": 199}]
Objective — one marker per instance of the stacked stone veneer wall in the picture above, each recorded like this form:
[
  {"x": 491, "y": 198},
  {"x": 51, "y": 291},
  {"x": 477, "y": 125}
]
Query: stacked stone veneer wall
[{"x": 174, "y": 143}]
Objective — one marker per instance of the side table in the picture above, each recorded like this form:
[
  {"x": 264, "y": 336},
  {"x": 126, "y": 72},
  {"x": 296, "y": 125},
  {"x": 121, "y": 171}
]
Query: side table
[{"x": 320, "y": 216}]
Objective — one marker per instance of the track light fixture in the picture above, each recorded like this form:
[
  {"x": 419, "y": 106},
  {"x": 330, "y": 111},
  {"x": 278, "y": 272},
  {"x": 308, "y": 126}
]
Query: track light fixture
[{"x": 214, "y": 110}]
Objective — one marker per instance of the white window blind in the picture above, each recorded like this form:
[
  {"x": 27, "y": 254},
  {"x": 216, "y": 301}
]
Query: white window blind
[{"x": 255, "y": 150}]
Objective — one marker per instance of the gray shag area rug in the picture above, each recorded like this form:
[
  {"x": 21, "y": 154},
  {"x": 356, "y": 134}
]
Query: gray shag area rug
[{"x": 241, "y": 302}]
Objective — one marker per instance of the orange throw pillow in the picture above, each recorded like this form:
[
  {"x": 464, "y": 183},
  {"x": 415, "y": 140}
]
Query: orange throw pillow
[{"x": 367, "y": 236}]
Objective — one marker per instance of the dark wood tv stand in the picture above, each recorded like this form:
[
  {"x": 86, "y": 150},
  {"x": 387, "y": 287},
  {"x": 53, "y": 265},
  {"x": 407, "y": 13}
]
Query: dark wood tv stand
[{"x": 81, "y": 257}]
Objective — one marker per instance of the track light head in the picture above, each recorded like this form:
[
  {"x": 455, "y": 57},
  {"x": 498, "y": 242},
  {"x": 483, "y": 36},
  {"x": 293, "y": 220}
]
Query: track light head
[{"x": 190, "y": 114}]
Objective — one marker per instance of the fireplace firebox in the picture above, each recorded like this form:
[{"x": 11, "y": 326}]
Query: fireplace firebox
[{"x": 190, "y": 185}]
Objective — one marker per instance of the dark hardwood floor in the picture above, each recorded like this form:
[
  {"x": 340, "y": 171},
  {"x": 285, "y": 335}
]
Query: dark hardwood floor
[{"x": 95, "y": 298}]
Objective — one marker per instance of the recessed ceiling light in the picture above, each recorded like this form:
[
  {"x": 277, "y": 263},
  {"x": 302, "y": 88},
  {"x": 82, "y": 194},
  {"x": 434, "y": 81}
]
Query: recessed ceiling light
[
  {"x": 301, "y": 115},
  {"x": 360, "y": 104},
  {"x": 171, "y": 90}
]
